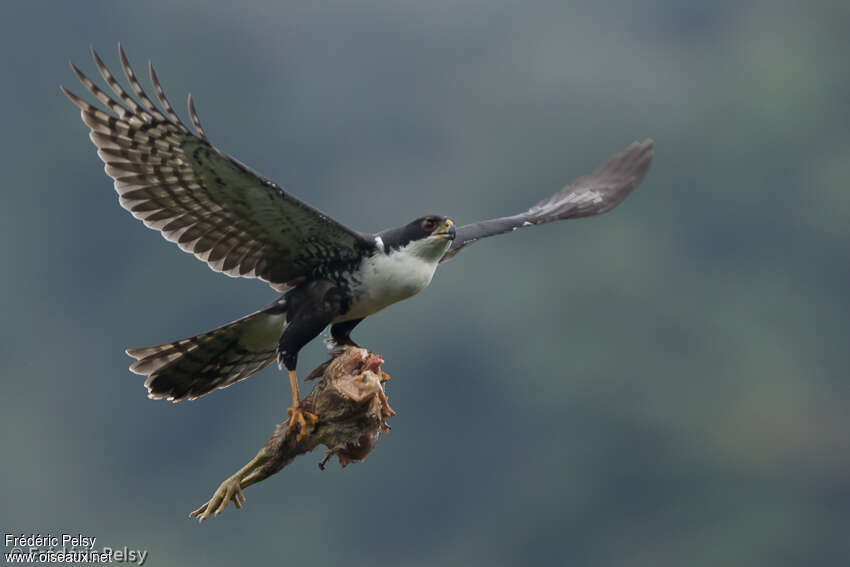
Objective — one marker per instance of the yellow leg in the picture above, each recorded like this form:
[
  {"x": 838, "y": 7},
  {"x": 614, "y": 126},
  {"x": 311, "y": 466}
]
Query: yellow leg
[
  {"x": 293, "y": 382},
  {"x": 296, "y": 414}
]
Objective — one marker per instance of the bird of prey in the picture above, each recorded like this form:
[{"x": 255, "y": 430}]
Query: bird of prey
[{"x": 245, "y": 225}]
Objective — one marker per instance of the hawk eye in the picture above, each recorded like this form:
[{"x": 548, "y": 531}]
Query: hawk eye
[{"x": 429, "y": 224}]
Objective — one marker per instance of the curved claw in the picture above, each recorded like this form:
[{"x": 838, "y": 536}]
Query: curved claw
[{"x": 304, "y": 419}]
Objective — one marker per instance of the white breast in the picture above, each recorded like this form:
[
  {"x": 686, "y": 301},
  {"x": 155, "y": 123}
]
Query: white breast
[{"x": 384, "y": 279}]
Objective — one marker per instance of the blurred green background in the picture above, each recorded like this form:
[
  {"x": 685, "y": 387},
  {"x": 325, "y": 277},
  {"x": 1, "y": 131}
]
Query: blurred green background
[{"x": 663, "y": 385}]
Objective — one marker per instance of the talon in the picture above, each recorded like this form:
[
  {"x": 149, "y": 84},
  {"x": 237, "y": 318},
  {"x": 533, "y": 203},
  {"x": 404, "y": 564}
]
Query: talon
[
  {"x": 296, "y": 414},
  {"x": 303, "y": 419}
]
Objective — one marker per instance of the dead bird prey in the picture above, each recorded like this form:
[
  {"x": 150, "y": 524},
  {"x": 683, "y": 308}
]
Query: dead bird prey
[
  {"x": 352, "y": 410},
  {"x": 245, "y": 225}
]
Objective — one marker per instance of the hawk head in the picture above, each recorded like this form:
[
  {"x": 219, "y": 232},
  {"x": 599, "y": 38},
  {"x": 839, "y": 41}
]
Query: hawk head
[{"x": 427, "y": 237}]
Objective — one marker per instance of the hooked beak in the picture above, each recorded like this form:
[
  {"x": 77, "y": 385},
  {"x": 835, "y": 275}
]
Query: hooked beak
[{"x": 446, "y": 231}]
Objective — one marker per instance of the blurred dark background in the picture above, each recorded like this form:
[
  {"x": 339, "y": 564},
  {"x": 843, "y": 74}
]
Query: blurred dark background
[{"x": 663, "y": 385}]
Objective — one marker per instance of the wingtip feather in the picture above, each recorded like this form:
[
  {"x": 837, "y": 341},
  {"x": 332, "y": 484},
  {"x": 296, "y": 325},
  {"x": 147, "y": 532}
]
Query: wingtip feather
[
  {"x": 134, "y": 352},
  {"x": 80, "y": 75},
  {"x": 78, "y": 102},
  {"x": 97, "y": 60},
  {"x": 196, "y": 121}
]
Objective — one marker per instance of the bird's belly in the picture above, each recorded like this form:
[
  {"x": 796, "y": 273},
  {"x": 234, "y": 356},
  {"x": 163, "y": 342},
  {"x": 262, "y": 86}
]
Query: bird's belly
[{"x": 383, "y": 280}]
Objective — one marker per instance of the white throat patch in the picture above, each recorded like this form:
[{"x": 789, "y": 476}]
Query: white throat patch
[{"x": 385, "y": 278}]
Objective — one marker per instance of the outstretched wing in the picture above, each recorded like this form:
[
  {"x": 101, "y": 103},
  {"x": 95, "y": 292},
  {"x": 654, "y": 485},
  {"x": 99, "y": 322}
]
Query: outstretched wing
[
  {"x": 176, "y": 182},
  {"x": 593, "y": 194}
]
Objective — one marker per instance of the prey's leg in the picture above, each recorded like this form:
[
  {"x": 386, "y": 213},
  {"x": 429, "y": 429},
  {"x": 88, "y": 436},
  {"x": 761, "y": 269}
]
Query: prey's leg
[{"x": 231, "y": 489}]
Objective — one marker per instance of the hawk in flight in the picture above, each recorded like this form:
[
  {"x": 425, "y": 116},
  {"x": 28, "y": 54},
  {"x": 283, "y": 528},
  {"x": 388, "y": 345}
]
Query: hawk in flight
[{"x": 245, "y": 225}]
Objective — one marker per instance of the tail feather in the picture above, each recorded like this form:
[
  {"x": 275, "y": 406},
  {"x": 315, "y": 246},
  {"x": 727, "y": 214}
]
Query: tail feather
[{"x": 192, "y": 367}]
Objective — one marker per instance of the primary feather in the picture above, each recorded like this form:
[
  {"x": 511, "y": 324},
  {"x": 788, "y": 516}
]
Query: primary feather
[
  {"x": 590, "y": 195},
  {"x": 209, "y": 204}
]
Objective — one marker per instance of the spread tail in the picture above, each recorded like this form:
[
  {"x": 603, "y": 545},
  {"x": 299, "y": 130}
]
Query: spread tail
[{"x": 190, "y": 368}]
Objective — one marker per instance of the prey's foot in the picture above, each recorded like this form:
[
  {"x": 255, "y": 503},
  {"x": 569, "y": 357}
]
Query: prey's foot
[
  {"x": 229, "y": 490},
  {"x": 304, "y": 419}
]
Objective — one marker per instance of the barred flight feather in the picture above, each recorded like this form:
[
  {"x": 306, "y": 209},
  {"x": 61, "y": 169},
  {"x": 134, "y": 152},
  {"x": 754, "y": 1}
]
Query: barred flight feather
[
  {"x": 192, "y": 367},
  {"x": 209, "y": 204}
]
